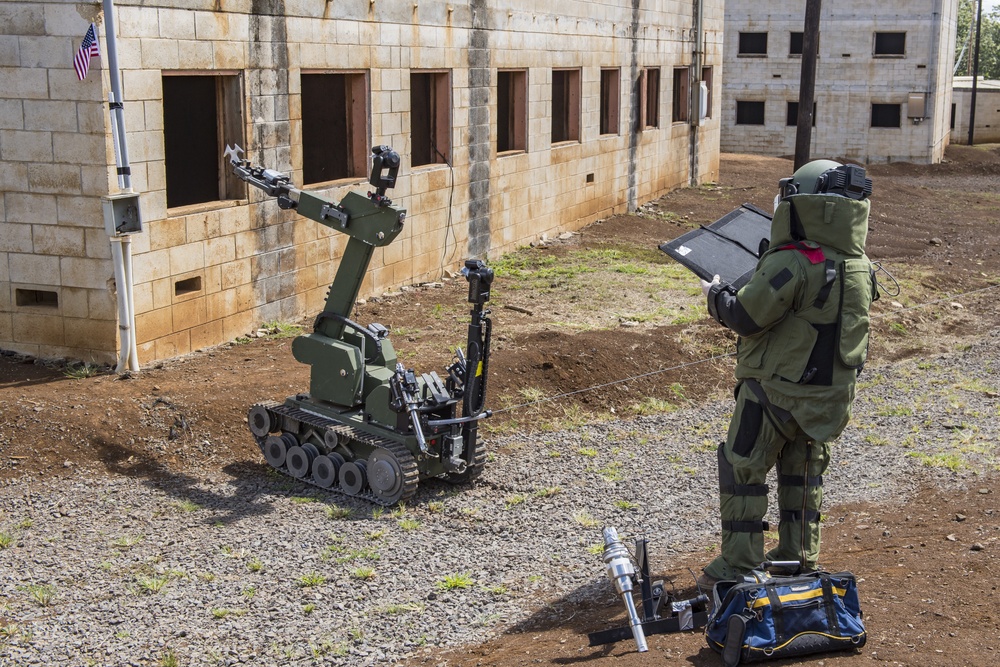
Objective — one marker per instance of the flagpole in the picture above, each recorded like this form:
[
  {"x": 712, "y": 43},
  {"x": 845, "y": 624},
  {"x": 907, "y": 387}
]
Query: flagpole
[{"x": 121, "y": 244}]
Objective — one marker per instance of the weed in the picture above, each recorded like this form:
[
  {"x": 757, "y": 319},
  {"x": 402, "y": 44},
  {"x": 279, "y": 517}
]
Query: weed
[
  {"x": 338, "y": 512},
  {"x": 596, "y": 549},
  {"x": 876, "y": 440},
  {"x": 498, "y": 589},
  {"x": 548, "y": 492},
  {"x": 277, "y": 329},
  {"x": 169, "y": 659},
  {"x": 242, "y": 340},
  {"x": 514, "y": 500},
  {"x": 207, "y": 577},
  {"x": 24, "y": 524},
  {"x": 42, "y": 594},
  {"x": 220, "y": 612},
  {"x": 6, "y": 540},
  {"x": 127, "y": 541},
  {"x": 455, "y": 581},
  {"x": 357, "y": 554},
  {"x": 585, "y": 520},
  {"x": 587, "y": 451},
  {"x": 398, "y": 511},
  {"x": 153, "y": 584},
  {"x": 303, "y": 500},
  {"x": 363, "y": 573},
  {"x": 625, "y": 505},
  {"x": 612, "y": 472},
  {"x": 83, "y": 370},
  {"x": 187, "y": 506},
  {"x": 311, "y": 579},
  {"x": 249, "y": 592},
  {"x": 255, "y": 565},
  {"x": 377, "y": 534},
  {"x": 402, "y": 608},
  {"x": 652, "y": 406},
  {"x": 952, "y": 462},
  {"x": 308, "y": 609},
  {"x": 409, "y": 524},
  {"x": 531, "y": 394}
]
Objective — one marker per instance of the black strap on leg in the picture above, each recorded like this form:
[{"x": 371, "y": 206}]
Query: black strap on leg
[
  {"x": 745, "y": 489},
  {"x": 745, "y": 526},
  {"x": 799, "y": 480},
  {"x": 782, "y": 415},
  {"x": 799, "y": 515}
]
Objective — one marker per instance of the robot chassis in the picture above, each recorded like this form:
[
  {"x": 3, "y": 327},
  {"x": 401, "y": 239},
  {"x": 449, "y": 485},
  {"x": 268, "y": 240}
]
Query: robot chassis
[{"x": 368, "y": 427}]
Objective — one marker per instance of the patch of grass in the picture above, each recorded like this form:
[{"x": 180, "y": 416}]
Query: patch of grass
[
  {"x": 515, "y": 500},
  {"x": 531, "y": 394},
  {"x": 409, "y": 524},
  {"x": 363, "y": 573},
  {"x": 585, "y": 520},
  {"x": 220, "y": 612},
  {"x": 652, "y": 406},
  {"x": 376, "y": 534},
  {"x": 587, "y": 451},
  {"x": 497, "y": 589},
  {"x": 249, "y": 592},
  {"x": 311, "y": 579},
  {"x": 303, "y": 500},
  {"x": 548, "y": 492},
  {"x": 255, "y": 565},
  {"x": 153, "y": 584},
  {"x": 596, "y": 549},
  {"x": 402, "y": 608},
  {"x": 876, "y": 440},
  {"x": 455, "y": 581},
  {"x": 357, "y": 554},
  {"x": 625, "y": 505},
  {"x": 187, "y": 506},
  {"x": 127, "y": 541},
  {"x": 338, "y": 512},
  {"x": 25, "y": 524},
  {"x": 169, "y": 659},
  {"x": 435, "y": 506},
  {"x": 79, "y": 371},
  {"x": 42, "y": 594},
  {"x": 278, "y": 329},
  {"x": 612, "y": 472},
  {"x": 308, "y": 608},
  {"x": 6, "y": 540},
  {"x": 952, "y": 462}
]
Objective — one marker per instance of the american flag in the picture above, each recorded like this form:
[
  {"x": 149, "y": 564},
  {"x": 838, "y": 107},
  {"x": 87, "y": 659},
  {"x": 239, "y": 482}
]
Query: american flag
[{"x": 89, "y": 49}]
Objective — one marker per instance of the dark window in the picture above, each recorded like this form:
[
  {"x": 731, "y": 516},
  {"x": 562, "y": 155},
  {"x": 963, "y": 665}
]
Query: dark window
[
  {"x": 334, "y": 127},
  {"x": 953, "y": 116},
  {"x": 792, "y": 114},
  {"x": 753, "y": 44},
  {"x": 886, "y": 115},
  {"x": 890, "y": 43},
  {"x": 36, "y": 297},
  {"x": 565, "y": 105},
  {"x": 430, "y": 119},
  {"x": 201, "y": 114},
  {"x": 706, "y": 76},
  {"x": 187, "y": 286},
  {"x": 512, "y": 111},
  {"x": 795, "y": 44},
  {"x": 610, "y": 101},
  {"x": 749, "y": 113},
  {"x": 682, "y": 91},
  {"x": 649, "y": 91}
]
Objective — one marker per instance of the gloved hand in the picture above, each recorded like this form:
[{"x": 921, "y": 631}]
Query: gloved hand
[{"x": 706, "y": 286}]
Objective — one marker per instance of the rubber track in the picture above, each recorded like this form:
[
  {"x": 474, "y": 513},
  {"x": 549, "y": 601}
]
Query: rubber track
[{"x": 411, "y": 474}]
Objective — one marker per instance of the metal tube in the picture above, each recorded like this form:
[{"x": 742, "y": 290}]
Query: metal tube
[
  {"x": 117, "y": 111},
  {"x": 620, "y": 571}
]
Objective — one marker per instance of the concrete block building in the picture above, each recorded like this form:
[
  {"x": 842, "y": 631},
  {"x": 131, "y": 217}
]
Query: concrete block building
[
  {"x": 883, "y": 78},
  {"x": 512, "y": 119},
  {"x": 987, "y": 111}
]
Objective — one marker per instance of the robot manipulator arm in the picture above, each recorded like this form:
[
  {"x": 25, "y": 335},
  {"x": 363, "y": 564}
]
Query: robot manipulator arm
[{"x": 273, "y": 183}]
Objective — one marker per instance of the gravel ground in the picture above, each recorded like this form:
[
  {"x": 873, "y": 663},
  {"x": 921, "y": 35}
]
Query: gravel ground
[{"x": 241, "y": 566}]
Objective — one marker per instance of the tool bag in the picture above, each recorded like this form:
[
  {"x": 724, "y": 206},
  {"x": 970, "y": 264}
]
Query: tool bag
[{"x": 765, "y": 617}]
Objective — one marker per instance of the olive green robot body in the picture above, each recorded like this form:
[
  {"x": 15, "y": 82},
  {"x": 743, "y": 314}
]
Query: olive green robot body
[
  {"x": 368, "y": 427},
  {"x": 803, "y": 324}
]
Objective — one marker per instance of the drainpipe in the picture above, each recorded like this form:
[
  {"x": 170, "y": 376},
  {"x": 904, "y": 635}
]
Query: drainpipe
[
  {"x": 121, "y": 243},
  {"x": 694, "y": 94}
]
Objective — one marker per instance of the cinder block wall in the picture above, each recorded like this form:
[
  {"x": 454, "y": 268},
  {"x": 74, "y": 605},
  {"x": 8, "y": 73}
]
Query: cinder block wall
[
  {"x": 987, "y": 113},
  {"x": 849, "y": 78},
  {"x": 252, "y": 262}
]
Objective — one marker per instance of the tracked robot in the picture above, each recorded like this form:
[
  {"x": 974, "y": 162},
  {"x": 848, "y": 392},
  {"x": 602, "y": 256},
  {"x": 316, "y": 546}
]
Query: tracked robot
[{"x": 369, "y": 427}]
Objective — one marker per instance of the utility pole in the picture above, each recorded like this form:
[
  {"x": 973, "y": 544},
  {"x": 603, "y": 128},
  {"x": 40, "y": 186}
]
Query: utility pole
[
  {"x": 807, "y": 84},
  {"x": 975, "y": 73}
]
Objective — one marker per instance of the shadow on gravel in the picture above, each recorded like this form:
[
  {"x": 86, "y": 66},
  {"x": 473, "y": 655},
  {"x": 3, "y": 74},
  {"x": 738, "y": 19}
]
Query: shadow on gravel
[{"x": 249, "y": 487}]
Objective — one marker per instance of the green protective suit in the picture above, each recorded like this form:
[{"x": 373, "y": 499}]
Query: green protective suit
[{"x": 803, "y": 326}]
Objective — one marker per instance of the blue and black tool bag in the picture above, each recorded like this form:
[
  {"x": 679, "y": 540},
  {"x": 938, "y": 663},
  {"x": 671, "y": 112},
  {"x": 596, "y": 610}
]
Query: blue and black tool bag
[{"x": 764, "y": 617}]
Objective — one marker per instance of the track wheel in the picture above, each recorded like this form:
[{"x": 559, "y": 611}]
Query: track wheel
[
  {"x": 391, "y": 475},
  {"x": 353, "y": 477},
  {"x": 326, "y": 468},
  {"x": 300, "y": 459},
  {"x": 276, "y": 448},
  {"x": 259, "y": 420}
]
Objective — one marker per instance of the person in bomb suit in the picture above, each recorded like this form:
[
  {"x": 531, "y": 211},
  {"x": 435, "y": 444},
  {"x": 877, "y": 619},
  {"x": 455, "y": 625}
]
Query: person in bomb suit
[{"x": 802, "y": 322}]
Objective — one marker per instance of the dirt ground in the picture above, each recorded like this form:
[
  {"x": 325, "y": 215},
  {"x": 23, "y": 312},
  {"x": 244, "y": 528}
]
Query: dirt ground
[{"x": 935, "y": 228}]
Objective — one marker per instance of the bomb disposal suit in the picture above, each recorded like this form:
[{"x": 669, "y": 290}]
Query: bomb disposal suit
[{"x": 803, "y": 326}]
